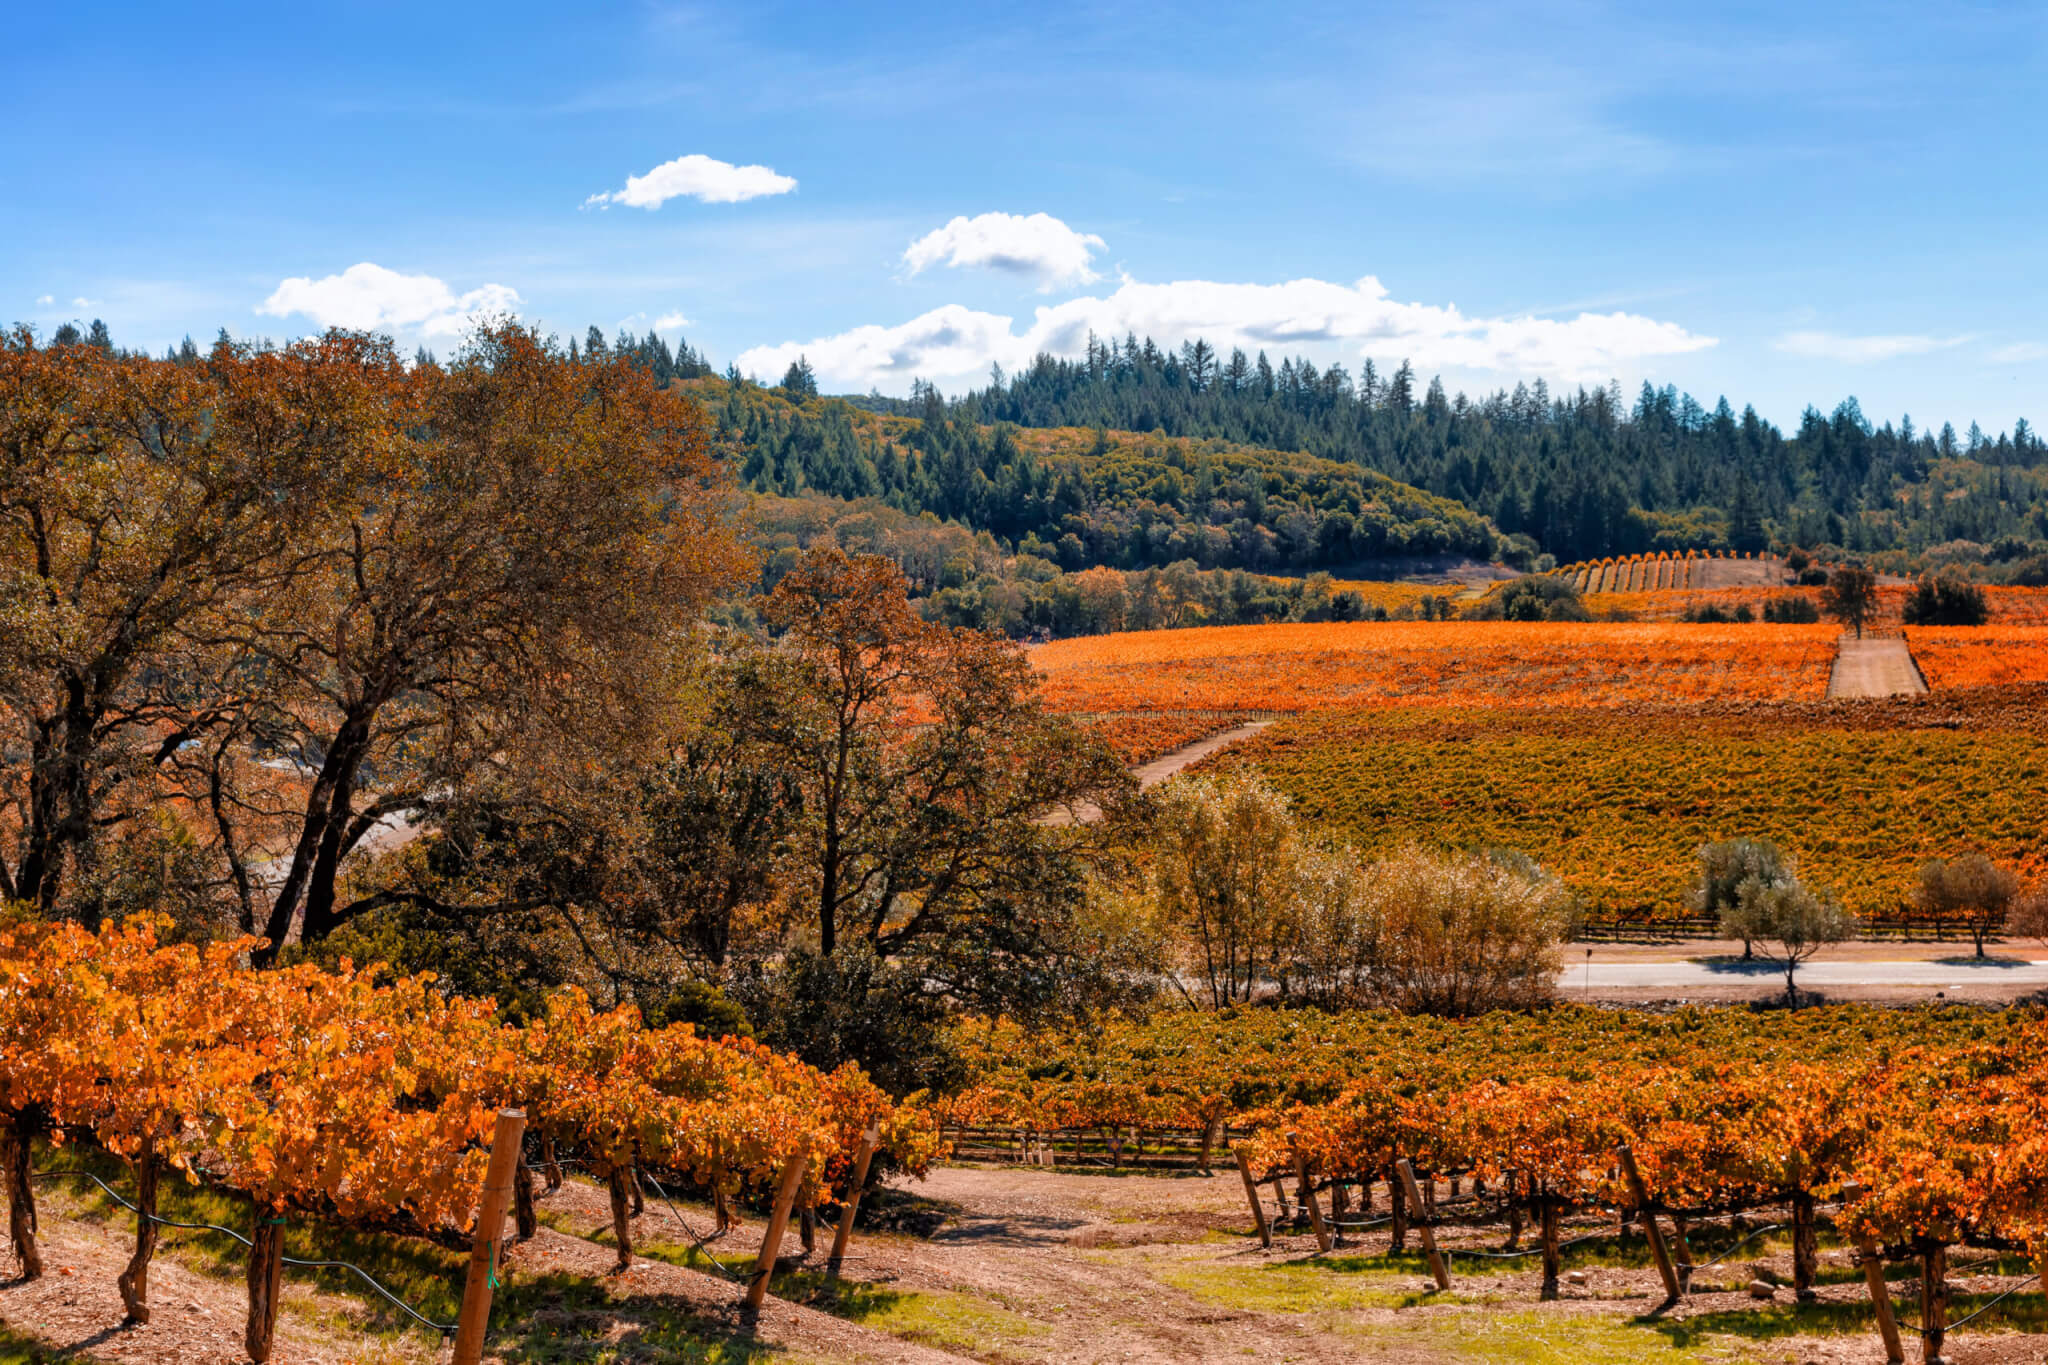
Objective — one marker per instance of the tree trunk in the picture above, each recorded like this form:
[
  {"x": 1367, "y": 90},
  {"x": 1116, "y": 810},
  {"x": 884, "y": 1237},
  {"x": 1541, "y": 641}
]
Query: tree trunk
[
  {"x": 551, "y": 1166},
  {"x": 309, "y": 882},
  {"x": 21, "y": 1200},
  {"x": 639, "y": 1193},
  {"x": 1805, "y": 1247},
  {"x": 134, "y": 1281},
  {"x": 807, "y": 1229},
  {"x": 720, "y": 1209},
  {"x": 1553, "y": 1255},
  {"x": 621, "y": 1221},
  {"x": 524, "y": 1216},
  {"x": 266, "y": 1272}
]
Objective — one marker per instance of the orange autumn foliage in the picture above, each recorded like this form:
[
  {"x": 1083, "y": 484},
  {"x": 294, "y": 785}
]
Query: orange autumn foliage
[{"x": 1312, "y": 667}]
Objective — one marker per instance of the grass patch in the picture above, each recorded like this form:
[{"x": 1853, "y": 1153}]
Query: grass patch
[
  {"x": 945, "y": 1319},
  {"x": 17, "y": 1349},
  {"x": 1548, "y": 1339},
  {"x": 1327, "y": 1284}
]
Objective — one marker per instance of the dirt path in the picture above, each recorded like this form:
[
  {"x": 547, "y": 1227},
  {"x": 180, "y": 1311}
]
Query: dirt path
[
  {"x": 1097, "y": 1268},
  {"x": 711, "y": 1300},
  {"x": 1159, "y": 769},
  {"x": 195, "y": 1319},
  {"x": 1879, "y": 666}
]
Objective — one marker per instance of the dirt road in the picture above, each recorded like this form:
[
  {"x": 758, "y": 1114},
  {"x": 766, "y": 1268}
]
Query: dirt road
[
  {"x": 1159, "y": 769},
  {"x": 1875, "y": 667}
]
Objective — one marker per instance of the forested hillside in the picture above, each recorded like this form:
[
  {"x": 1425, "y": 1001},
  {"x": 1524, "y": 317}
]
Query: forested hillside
[
  {"x": 1140, "y": 456},
  {"x": 1587, "y": 473},
  {"x": 1089, "y": 497}
]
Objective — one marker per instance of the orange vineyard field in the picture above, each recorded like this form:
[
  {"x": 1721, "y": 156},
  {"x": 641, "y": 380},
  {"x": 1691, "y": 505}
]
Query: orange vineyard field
[
  {"x": 1140, "y": 736},
  {"x": 1617, "y": 803},
  {"x": 1313, "y": 667},
  {"x": 1979, "y": 656}
]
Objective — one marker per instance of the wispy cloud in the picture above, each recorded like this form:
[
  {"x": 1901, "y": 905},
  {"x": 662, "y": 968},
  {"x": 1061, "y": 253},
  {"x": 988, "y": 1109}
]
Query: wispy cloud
[
  {"x": 1863, "y": 350},
  {"x": 2020, "y": 353},
  {"x": 703, "y": 178}
]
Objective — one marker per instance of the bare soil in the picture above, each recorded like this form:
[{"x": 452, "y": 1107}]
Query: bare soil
[
  {"x": 1739, "y": 573},
  {"x": 1076, "y": 1267},
  {"x": 195, "y": 1319},
  {"x": 1030, "y": 1265},
  {"x": 1874, "y": 666}
]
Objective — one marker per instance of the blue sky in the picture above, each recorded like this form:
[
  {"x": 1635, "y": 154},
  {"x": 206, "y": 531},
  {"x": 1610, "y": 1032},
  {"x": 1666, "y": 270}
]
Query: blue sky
[{"x": 1783, "y": 204}]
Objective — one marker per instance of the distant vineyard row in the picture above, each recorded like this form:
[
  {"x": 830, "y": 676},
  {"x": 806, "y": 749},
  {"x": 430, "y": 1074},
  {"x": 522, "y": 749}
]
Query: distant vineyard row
[
  {"x": 1315, "y": 667},
  {"x": 1649, "y": 572}
]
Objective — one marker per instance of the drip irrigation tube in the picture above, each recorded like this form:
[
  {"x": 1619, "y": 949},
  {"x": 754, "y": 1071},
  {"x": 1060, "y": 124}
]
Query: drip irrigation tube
[{"x": 444, "y": 1328}]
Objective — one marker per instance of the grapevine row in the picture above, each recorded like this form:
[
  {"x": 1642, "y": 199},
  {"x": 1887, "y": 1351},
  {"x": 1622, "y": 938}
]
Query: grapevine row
[
  {"x": 1940, "y": 1117},
  {"x": 346, "y": 1095}
]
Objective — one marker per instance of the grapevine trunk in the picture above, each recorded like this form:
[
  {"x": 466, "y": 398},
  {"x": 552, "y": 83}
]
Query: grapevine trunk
[
  {"x": 134, "y": 1281},
  {"x": 622, "y": 1227},
  {"x": 266, "y": 1272},
  {"x": 21, "y": 1200}
]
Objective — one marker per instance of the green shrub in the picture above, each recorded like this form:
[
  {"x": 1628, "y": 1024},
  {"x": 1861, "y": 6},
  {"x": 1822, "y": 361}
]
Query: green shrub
[{"x": 1945, "y": 601}]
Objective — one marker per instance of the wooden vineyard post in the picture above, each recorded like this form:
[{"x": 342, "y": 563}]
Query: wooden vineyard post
[
  {"x": 1880, "y": 1294},
  {"x": 1641, "y": 1195},
  {"x": 1251, "y": 1192},
  {"x": 484, "y": 1242},
  {"x": 843, "y": 1234},
  {"x": 1406, "y": 1170},
  {"x": 778, "y": 1223},
  {"x": 1309, "y": 1201}
]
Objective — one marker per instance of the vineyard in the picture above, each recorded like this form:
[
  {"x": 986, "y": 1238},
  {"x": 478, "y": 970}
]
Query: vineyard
[
  {"x": 1925, "y": 1130},
  {"x": 1954, "y": 657},
  {"x": 1617, "y": 803},
  {"x": 346, "y": 1097},
  {"x": 1667, "y": 572},
  {"x": 1314, "y": 667},
  {"x": 1139, "y": 736}
]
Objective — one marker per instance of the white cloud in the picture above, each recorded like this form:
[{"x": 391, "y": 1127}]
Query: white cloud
[
  {"x": 1037, "y": 244},
  {"x": 44, "y": 300},
  {"x": 1862, "y": 350},
  {"x": 670, "y": 320},
  {"x": 369, "y": 297},
  {"x": 702, "y": 178},
  {"x": 83, "y": 302},
  {"x": 955, "y": 343},
  {"x": 2020, "y": 353}
]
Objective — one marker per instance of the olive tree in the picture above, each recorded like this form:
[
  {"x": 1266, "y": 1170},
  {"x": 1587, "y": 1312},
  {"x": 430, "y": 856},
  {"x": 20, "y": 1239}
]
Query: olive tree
[
  {"x": 1794, "y": 919},
  {"x": 1717, "y": 887},
  {"x": 1971, "y": 892}
]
